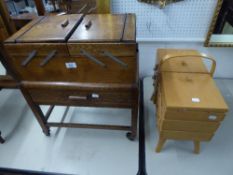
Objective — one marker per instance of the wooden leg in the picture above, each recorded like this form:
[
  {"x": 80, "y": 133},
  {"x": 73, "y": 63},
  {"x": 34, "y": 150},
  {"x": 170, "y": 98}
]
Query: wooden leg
[
  {"x": 196, "y": 147},
  {"x": 134, "y": 121},
  {"x": 160, "y": 144},
  {"x": 37, "y": 112},
  {"x": 1, "y": 139}
]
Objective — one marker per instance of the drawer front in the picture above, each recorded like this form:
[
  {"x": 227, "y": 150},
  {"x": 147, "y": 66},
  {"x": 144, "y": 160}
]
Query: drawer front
[
  {"x": 95, "y": 97},
  {"x": 78, "y": 69},
  {"x": 18, "y": 50},
  {"x": 98, "y": 49},
  {"x": 190, "y": 126},
  {"x": 181, "y": 135},
  {"x": 194, "y": 115}
]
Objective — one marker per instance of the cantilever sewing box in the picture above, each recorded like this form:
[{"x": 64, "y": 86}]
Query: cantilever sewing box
[
  {"x": 77, "y": 60},
  {"x": 189, "y": 105}
]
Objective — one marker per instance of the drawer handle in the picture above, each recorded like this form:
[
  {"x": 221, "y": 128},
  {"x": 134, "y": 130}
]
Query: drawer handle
[
  {"x": 92, "y": 58},
  {"x": 77, "y": 97},
  {"x": 94, "y": 96},
  {"x": 212, "y": 117},
  {"x": 117, "y": 60},
  {"x": 65, "y": 23},
  {"x": 48, "y": 58},
  {"x": 88, "y": 97},
  {"x": 29, "y": 58}
]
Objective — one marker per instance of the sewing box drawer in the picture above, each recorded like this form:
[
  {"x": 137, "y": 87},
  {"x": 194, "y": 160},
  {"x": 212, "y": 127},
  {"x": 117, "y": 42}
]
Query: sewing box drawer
[{"x": 83, "y": 96}]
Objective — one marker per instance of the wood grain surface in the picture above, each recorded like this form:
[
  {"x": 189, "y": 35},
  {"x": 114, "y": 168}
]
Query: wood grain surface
[
  {"x": 189, "y": 104},
  {"x": 104, "y": 28},
  {"x": 97, "y": 67},
  {"x": 86, "y": 71},
  {"x": 50, "y": 29},
  {"x": 181, "y": 88},
  {"x": 188, "y": 64}
]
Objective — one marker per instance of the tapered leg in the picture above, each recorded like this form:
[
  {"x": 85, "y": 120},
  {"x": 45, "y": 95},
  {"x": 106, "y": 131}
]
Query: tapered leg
[
  {"x": 160, "y": 144},
  {"x": 37, "y": 112},
  {"x": 134, "y": 120},
  {"x": 1, "y": 139},
  {"x": 196, "y": 147}
]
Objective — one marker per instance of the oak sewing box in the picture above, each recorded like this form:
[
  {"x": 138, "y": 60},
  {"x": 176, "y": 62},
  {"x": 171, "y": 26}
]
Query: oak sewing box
[
  {"x": 189, "y": 105},
  {"x": 77, "y": 60}
]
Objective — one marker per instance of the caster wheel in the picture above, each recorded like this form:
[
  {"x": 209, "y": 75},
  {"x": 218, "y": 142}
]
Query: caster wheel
[
  {"x": 47, "y": 133},
  {"x": 130, "y": 136},
  {"x": 2, "y": 141}
]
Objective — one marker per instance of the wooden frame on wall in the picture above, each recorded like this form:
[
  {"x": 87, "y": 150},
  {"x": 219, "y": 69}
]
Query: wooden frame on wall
[
  {"x": 103, "y": 6},
  {"x": 212, "y": 27}
]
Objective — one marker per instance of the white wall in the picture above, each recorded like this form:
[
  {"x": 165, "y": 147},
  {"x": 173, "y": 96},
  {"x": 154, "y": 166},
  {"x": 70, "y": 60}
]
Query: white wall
[
  {"x": 180, "y": 25},
  {"x": 185, "y": 20}
]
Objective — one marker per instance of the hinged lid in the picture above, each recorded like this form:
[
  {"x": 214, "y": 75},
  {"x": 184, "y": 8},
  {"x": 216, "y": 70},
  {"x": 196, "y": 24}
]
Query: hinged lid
[
  {"x": 51, "y": 29},
  {"x": 192, "y": 91},
  {"x": 181, "y": 64},
  {"x": 105, "y": 28}
]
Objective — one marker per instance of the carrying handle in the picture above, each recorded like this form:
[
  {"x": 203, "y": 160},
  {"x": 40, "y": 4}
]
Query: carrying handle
[
  {"x": 92, "y": 58},
  {"x": 29, "y": 58},
  {"x": 198, "y": 55},
  {"x": 117, "y": 60},
  {"x": 65, "y": 23},
  {"x": 48, "y": 58}
]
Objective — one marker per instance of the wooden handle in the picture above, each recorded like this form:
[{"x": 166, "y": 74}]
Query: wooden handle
[
  {"x": 88, "y": 25},
  {"x": 29, "y": 58},
  {"x": 117, "y": 60},
  {"x": 198, "y": 55},
  {"x": 65, "y": 23},
  {"x": 48, "y": 58},
  {"x": 92, "y": 58}
]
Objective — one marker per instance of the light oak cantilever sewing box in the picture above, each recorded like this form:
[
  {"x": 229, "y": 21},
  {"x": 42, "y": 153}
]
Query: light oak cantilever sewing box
[
  {"x": 189, "y": 105},
  {"x": 77, "y": 60}
]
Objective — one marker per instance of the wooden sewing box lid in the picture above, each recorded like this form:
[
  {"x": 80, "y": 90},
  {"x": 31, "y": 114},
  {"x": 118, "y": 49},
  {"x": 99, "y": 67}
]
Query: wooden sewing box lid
[
  {"x": 182, "y": 64},
  {"x": 78, "y": 28},
  {"x": 106, "y": 28},
  {"x": 192, "y": 91}
]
